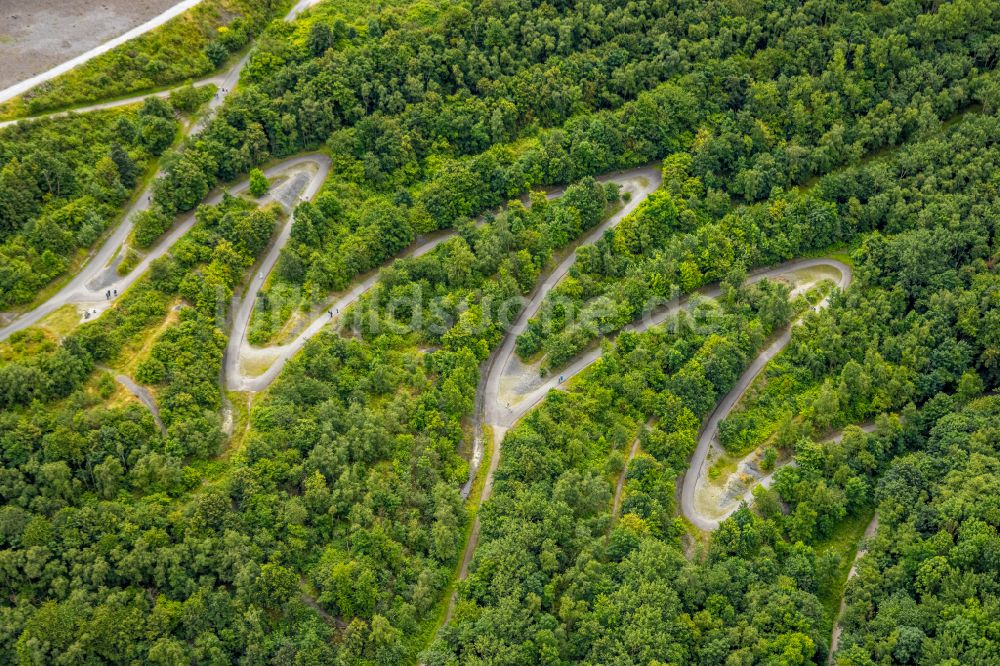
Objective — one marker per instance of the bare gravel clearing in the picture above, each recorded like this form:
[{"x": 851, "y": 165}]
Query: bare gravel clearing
[{"x": 36, "y": 35}]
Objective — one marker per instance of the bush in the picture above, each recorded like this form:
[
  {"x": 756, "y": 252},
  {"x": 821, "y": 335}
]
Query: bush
[
  {"x": 128, "y": 262},
  {"x": 149, "y": 224},
  {"x": 258, "y": 182}
]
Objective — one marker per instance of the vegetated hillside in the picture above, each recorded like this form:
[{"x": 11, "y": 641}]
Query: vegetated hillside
[
  {"x": 910, "y": 345},
  {"x": 64, "y": 181},
  {"x": 189, "y": 46},
  {"x": 328, "y": 527},
  {"x": 926, "y": 591}
]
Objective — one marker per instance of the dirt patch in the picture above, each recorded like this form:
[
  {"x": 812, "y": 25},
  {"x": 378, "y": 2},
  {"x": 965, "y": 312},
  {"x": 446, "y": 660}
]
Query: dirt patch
[
  {"x": 36, "y": 35},
  {"x": 518, "y": 380}
]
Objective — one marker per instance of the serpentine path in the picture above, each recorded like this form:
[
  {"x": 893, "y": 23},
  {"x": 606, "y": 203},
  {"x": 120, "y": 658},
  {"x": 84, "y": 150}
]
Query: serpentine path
[
  {"x": 509, "y": 390},
  {"x": 698, "y": 468},
  {"x": 239, "y": 353},
  {"x": 89, "y": 288},
  {"x": 225, "y": 81}
]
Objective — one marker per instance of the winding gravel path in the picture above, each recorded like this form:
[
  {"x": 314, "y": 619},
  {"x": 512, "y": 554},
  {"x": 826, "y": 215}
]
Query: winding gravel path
[
  {"x": 698, "y": 469},
  {"x": 93, "y": 282},
  {"x": 89, "y": 288},
  {"x": 501, "y": 415},
  {"x": 240, "y": 353},
  {"x": 489, "y": 410},
  {"x": 90, "y": 285}
]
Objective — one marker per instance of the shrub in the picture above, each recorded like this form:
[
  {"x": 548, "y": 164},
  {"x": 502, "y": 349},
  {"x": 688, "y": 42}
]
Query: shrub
[{"x": 258, "y": 182}]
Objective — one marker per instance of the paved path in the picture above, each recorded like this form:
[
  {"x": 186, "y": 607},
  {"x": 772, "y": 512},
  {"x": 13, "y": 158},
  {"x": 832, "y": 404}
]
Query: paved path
[
  {"x": 156, "y": 21},
  {"x": 638, "y": 183},
  {"x": 698, "y": 468},
  {"x": 89, "y": 289},
  {"x": 501, "y": 415}
]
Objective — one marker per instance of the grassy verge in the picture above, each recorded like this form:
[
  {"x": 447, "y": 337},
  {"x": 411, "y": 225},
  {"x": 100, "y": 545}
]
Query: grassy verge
[
  {"x": 62, "y": 321},
  {"x": 844, "y": 543}
]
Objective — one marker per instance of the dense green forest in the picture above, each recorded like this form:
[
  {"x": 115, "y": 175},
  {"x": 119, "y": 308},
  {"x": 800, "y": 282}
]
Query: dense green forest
[
  {"x": 912, "y": 345},
  {"x": 322, "y": 521}
]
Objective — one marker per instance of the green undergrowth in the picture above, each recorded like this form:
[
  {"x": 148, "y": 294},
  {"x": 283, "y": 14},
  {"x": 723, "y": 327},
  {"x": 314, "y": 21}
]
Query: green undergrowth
[{"x": 842, "y": 545}]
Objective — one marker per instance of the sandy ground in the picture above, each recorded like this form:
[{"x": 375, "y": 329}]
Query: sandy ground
[{"x": 36, "y": 35}]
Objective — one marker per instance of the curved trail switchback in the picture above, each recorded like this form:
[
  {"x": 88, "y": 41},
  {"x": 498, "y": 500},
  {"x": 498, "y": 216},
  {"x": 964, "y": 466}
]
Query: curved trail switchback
[
  {"x": 240, "y": 354},
  {"x": 89, "y": 286},
  {"x": 698, "y": 468},
  {"x": 493, "y": 411},
  {"x": 509, "y": 389}
]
